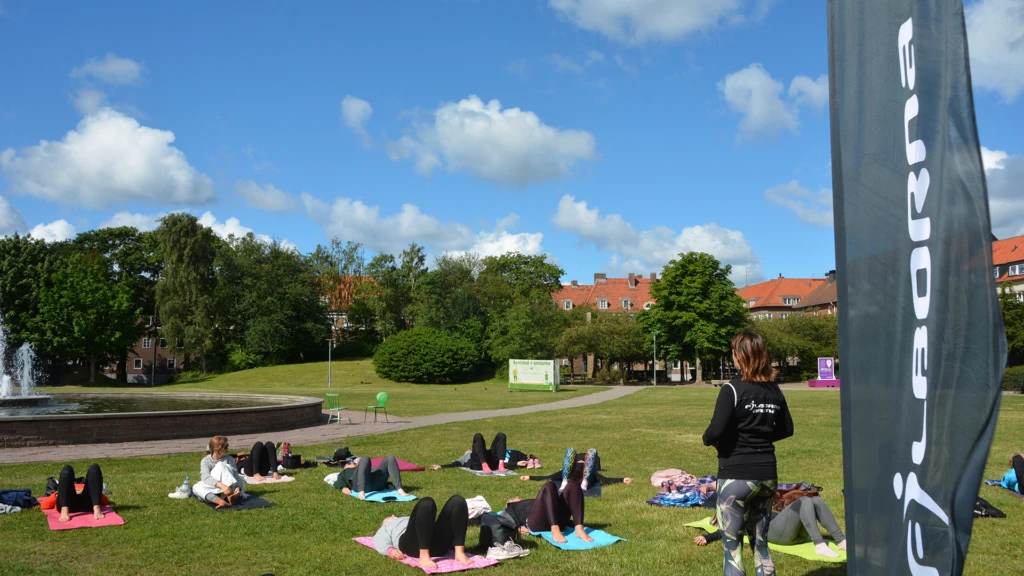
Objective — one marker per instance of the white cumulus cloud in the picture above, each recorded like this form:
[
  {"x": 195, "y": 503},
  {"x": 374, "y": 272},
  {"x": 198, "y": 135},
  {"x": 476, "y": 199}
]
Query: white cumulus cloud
[
  {"x": 995, "y": 35},
  {"x": 807, "y": 92},
  {"x": 811, "y": 207},
  {"x": 233, "y": 227},
  {"x": 1005, "y": 175},
  {"x": 355, "y": 113},
  {"x": 10, "y": 218},
  {"x": 638, "y": 21},
  {"x": 353, "y": 220},
  {"x": 141, "y": 222},
  {"x": 111, "y": 69},
  {"x": 57, "y": 231},
  {"x": 267, "y": 197},
  {"x": 754, "y": 94},
  {"x": 508, "y": 146},
  {"x": 108, "y": 158},
  {"x": 635, "y": 250}
]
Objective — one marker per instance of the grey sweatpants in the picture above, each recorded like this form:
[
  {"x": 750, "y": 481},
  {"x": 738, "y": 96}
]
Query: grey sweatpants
[
  {"x": 367, "y": 480},
  {"x": 799, "y": 521}
]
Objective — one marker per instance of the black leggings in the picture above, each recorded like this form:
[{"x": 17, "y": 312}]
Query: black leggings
[
  {"x": 440, "y": 535},
  {"x": 554, "y": 509},
  {"x": 91, "y": 495},
  {"x": 1018, "y": 468},
  {"x": 480, "y": 454},
  {"x": 262, "y": 460}
]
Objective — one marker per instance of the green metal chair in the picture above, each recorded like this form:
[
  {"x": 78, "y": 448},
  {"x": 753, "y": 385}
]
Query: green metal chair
[
  {"x": 382, "y": 398},
  {"x": 334, "y": 409}
]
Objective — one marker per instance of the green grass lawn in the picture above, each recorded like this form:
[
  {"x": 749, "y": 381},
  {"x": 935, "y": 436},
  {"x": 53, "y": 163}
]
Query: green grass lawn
[
  {"x": 310, "y": 529},
  {"x": 358, "y": 386}
]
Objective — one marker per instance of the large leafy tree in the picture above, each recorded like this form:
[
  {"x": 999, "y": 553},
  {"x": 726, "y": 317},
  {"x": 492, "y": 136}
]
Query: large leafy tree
[
  {"x": 697, "y": 311},
  {"x": 447, "y": 299},
  {"x": 186, "y": 291},
  {"x": 268, "y": 294},
  {"x": 341, "y": 274},
  {"x": 1013, "y": 319},
  {"x": 619, "y": 338},
  {"x": 800, "y": 337},
  {"x": 84, "y": 313},
  {"x": 133, "y": 259},
  {"x": 391, "y": 295},
  {"x": 24, "y": 264}
]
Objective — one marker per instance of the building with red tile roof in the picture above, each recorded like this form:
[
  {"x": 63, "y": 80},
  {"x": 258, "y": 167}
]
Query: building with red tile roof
[
  {"x": 1008, "y": 263},
  {"x": 822, "y": 300},
  {"x": 777, "y": 298}
]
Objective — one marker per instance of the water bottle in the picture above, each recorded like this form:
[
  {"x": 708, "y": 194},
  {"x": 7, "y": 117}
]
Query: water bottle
[{"x": 185, "y": 487}]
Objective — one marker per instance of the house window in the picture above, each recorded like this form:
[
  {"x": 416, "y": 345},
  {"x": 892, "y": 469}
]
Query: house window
[
  {"x": 602, "y": 303},
  {"x": 565, "y": 361},
  {"x": 995, "y": 272},
  {"x": 751, "y": 303},
  {"x": 567, "y": 304},
  {"x": 163, "y": 343},
  {"x": 170, "y": 363},
  {"x": 675, "y": 365},
  {"x": 790, "y": 301},
  {"x": 784, "y": 316},
  {"x": 768, "y": 315},
  {"x": 137, "y": 364},
  {"x": 146, "y": 342},
  {"x": 1017, "y": 270},
  {"x": 1020, "y": 296},
  {"x": 626, "y": 304},
  {"x": 150, "y": 321},
  {"x": 647, "y": 305}
]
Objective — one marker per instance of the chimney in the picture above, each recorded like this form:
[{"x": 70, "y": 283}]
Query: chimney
[
  {"x": 632, "y": 280},
  {"x": 575, "y": 284},
  {"x": 654, "y": 276},
  {"x": 600, "y": 277},
  {"x": 831, "y": 276},
  {"x": 780, "y": 274}
]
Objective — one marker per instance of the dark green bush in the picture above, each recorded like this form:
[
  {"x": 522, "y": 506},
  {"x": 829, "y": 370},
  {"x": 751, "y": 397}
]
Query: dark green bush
[
  {"x": 240, "y": 359},
  {"x": 1013, "y": 379},
  {"x": 423, "y": 355}
]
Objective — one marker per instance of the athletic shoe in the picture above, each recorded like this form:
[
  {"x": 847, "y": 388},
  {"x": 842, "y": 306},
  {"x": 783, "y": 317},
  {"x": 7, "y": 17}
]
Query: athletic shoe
[
  {"x": 501, "y": 552},
  {"x": 536, "y": 462},
  {"x": 516, "y": 549}
]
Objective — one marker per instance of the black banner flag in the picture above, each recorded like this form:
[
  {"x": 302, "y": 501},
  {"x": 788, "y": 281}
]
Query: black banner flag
[{"x": 922, "y": 346}]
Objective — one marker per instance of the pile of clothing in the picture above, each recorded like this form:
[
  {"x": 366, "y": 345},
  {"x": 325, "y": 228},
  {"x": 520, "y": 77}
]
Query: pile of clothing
[
  {"x": 677, "y": 488},
  {"x": 14, "y": 501}
]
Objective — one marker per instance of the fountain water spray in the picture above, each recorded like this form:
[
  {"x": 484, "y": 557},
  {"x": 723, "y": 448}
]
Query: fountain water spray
[
  {"x": 6, "y": 385},
  {"x": 24, "y": 362}
]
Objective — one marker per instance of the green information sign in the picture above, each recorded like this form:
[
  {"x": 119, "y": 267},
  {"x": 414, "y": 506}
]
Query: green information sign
[{"x": 533, "y": 375}]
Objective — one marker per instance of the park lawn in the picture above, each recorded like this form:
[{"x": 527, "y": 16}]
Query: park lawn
[
  {"x": 309, "y": 531},
  {"x": 358, "y": 385}
]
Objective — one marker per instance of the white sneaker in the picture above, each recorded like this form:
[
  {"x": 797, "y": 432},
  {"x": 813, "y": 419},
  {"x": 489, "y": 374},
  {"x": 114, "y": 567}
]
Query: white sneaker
[
  {"x": 516, "y": 549},
  {"x": 500, "y": 553},
  {"x": 178, "y": 495}
]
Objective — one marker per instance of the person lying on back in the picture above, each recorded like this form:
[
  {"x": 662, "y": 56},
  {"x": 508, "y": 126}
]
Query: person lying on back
[{"x": 360, "y": 476}]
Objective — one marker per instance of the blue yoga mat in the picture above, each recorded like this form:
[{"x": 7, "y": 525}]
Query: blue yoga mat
[
  {"x": 601, "y": 539},
  {"x": 384, "y": 496}
]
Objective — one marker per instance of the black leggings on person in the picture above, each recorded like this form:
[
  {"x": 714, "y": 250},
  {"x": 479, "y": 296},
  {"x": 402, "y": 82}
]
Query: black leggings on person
[
  {"x": 480, "y": 454},
  {"x": 262, "y": 460},
  {"x": 91, "y": 495},
  {"x": 440, "y": 535},
  {"x": 1018, "y": 468},
  {"x": 554, "y": 509}
]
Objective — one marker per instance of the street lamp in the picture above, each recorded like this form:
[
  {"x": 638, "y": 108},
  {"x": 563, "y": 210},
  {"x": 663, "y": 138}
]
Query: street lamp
[
  {"x": 330, "y": 346},
  {"x": 655, "y": 365}
]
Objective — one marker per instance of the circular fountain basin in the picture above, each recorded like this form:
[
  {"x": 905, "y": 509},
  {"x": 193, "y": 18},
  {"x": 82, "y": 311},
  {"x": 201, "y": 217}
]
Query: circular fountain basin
[
  {"x": 141, "y": 416},
  {"x": 24, "y": 401}
]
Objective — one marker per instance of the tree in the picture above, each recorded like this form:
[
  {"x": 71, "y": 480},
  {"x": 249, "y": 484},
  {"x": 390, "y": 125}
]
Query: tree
[
  {"x": 393, "y": 291},
  {"x": 341, "y": 273},
  {"x": 803, "y": 337},
  {"x": 619, "y": 338},
  {"x": 134, "y": 260},
  {"x": 446, "y": 297},
  {"x": 514, "y": 277},
  {"x": 24, "y": 264},
  {"x": 84, "y": 313},
  {"x": 185, "y": 293},
  {"x": 697, "y": 311},
  {"x": 1013, "y": 320}
]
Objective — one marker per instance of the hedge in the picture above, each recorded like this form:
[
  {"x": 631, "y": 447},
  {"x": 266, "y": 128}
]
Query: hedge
[
  {"x": 426, "y": 356},
  {"x": 1013, "y": 379}
]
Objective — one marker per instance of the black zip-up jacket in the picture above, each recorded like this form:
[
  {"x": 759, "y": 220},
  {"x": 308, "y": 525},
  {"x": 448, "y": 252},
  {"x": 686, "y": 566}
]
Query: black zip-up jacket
[{"x": 748, "y": 420}]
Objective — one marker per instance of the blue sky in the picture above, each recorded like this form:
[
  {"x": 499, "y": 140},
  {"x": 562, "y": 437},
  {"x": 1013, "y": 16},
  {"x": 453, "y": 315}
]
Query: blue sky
[{"x": 609, "y": 134}]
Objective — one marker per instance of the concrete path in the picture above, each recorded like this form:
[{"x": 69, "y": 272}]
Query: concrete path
[{"x": 322, "y": 434}]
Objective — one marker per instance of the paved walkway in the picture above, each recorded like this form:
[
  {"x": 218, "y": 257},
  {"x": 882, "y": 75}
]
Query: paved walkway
[{"x": 322, "y": 434}]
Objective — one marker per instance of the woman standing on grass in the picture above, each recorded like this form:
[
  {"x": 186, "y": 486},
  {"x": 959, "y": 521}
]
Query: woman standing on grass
[{"x": 750, "y": 415}]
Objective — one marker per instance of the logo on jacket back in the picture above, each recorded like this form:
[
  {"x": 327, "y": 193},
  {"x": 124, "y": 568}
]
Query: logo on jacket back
[
  {"x": 919, "y": 229},
  {"x": 756, "y": 408}
]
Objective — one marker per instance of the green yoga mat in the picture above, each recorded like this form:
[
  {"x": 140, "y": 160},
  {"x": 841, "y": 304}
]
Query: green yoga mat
[{"x": 805, "y": 550}]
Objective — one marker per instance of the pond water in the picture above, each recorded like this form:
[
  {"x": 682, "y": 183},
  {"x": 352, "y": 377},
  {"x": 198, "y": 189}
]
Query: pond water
[{"x": 134, "y": 402}]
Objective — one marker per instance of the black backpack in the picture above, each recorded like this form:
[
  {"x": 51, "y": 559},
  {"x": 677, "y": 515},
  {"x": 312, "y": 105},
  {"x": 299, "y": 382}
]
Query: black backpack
[
  {"x": 982, "y": 509},
  {"x": 497, "y": 529}
]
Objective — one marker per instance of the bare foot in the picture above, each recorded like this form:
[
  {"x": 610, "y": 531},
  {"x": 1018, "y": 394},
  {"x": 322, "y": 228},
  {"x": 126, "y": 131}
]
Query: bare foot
[
  {"x": 277, "y": 476},
  {"x": 64, "y": 517},
  {"x": 556, "y": 535},
  {"x": 258, "y": 478},
  {"x": 427, "y": 563},
  {"x": 582, "y": 534},
  {"x": 627, "y": 480},
  {"x": 516, "y": 499},
  {"x": 233, "y": 498},
  {"x": 402, "y": 493},
  {"x": 524, "y": 477},
  {"x": 99, "y": 515},
  {"x": 362, "y": 495},
  {"x": 435, "y": 466},
  {"x": 461, "y": 558},
  {"x": 220, "y": 503}
]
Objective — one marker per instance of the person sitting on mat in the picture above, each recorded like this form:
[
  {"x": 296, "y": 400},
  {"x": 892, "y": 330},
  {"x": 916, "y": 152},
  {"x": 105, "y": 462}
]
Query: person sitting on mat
[
  {"x": 220, "y": 482},
  {"x": 577, "y": 469},
  {"x": 552, "y": 509},
  {"x": 359, "y": 476},
  {"x": 497, "y": 458},
  {"x": 425, "y": 532},
  {"x": 261, "y": 461},
  {"x": 70, "y": 499},
  {"x": 796, "y": 524},
  {"x": 1011, "y": 480}
]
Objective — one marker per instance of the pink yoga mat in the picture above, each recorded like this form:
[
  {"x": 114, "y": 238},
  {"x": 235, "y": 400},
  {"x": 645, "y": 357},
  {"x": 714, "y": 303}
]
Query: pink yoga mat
[
  {"x": 83, "y": 519},
  {"x": 402, "y": 465},
  {"x": 445, "y": 564},
  {"x": 268, "y": 479}
]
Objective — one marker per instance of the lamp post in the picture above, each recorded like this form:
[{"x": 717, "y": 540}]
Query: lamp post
[
  {"x": 655, "y": 359},
  {"x": 330, "y": 347}
]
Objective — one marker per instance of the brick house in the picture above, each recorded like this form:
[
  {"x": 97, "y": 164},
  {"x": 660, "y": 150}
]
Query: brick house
[
  {"x": 606, "y": 295},
  {"x": 1008, "y": 264},
  {"x": 822, "y": 300},
  {"x": 779, "y": 297},
  {"x": 150, "y": 350}
]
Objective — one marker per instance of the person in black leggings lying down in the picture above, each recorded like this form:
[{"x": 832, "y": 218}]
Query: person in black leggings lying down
[
  {"x": 425, "y": 532},
  {"x": 551, "y": 510},
  {"x": 70, "y": 500},
  {"x": 496, "y": 458},
  {"x": 260, "y": 462}
]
